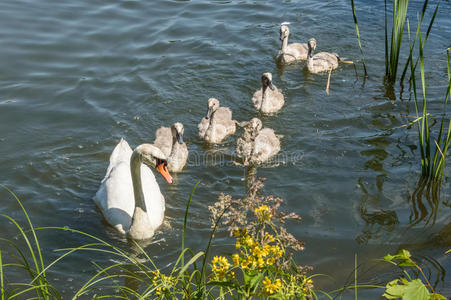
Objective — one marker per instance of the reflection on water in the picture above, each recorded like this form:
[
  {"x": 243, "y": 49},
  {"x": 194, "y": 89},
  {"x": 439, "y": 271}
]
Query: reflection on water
[
  {"x": 377, "y": 222},
  {"x": 425, "y": 200}
]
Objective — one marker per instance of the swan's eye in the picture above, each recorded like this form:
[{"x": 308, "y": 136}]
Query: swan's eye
[{"x": 162, "y": 161}]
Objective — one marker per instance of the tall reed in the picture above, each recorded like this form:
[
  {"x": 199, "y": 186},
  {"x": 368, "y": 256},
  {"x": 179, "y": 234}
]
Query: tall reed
[
  {"x": 432, "y": 162},
  {"x": 393, "y": 41},
  {"x": 398, "y": 20}
]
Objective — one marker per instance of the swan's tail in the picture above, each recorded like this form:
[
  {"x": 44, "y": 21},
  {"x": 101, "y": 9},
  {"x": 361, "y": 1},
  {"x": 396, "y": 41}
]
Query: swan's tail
[{"x": 121, "y": 151}]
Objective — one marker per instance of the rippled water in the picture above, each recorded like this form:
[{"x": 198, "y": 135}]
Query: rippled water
[{"x": 77, "y": 76}]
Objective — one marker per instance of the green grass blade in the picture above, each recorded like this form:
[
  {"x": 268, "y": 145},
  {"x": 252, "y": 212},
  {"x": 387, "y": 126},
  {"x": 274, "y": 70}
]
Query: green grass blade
[
  {"x": 2, "y": 286},
  {"x": 42, "y": 280},
  {"x": 186, "y": 219},
  {"x": 190, "y": 262}
]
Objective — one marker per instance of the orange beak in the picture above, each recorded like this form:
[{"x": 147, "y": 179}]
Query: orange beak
[{"x": 163, "y": 169}]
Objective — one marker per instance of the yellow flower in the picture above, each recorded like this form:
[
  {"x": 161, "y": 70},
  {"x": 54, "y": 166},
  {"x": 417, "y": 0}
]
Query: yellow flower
[
  {"x": 276, "y": 251},
  {"x": 263, "y": 213},
  {"x": 269, "y": 238},
  {"x": 245, "y": 264},
  {"x": 307, "y": 284},
  {"x": 158, "y": 290},
  {"x": 238, "y": 244},
  {"x": 240, "y": 232},
  {"x": 269, "y": 287},
  {"x": 236, "y": 259},
  {"x": 260, "y": 262},
  {"x": 220, "y": 265},
  {"x": 270, "y": 261},
  {"x": 249, "y": 241}
]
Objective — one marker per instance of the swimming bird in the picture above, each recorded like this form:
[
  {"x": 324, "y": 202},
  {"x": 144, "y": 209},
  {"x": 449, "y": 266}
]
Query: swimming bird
[
  {"x": 320, "y": 62},
  {"x": 257, "y": 145},
  {"x": 170, "y": 142},
  {"x": 290, "y": 53},
  {"x": 217, "y": 124},
  {"x": 268, "y": 99},
  {"x": 129, "y": 196}
]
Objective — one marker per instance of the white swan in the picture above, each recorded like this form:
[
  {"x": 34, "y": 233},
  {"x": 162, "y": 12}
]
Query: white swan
[
  {"x": 290, "y": 53},
  {"x": 217, "y": 124},
  {"x": 257, "y": 145},
  {"x": 321, "y": 62},
  {"x": 129, "y": 196},
  {"x": 170, "y": 142},
  {"x": 268, "y": 99}
]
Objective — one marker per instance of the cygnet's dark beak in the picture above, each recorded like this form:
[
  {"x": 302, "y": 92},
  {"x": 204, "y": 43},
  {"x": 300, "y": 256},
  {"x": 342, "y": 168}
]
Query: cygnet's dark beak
[
  {"x": 209, "y": 112},
  {"x": 271, "y": 86},
  {"x": 179, "y": 138}
]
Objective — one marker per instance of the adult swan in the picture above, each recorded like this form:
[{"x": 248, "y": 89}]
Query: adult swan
[{"x": 129, "y": 196}]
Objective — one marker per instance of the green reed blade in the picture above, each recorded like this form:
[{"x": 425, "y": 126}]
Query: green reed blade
[
  {"x": 415, "y": 97},
  {"x": 426, "y": 37},
  {"x": 424, "y": 121},
  {"x": 354, "y": 15},
  {"x": 440, "y": 164},
  {"x": 386, "y": 37}
]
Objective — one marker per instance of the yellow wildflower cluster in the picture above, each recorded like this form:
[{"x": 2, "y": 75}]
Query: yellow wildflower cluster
[
  {"x": 163, "y": 282},
  {"x": 219, "y": 266},
  {"x": 270, "y": 288},
  {"x": 254, "y": 255},
  {"x": 263, "y": 213}
]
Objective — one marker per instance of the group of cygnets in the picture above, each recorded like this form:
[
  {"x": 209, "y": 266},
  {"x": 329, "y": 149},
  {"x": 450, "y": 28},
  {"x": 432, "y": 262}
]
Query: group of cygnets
[{"x": 129, "y": 196}]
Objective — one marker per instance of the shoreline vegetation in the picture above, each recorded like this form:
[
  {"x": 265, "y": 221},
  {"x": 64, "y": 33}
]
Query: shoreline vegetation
[{"x": 263, "y": 263}]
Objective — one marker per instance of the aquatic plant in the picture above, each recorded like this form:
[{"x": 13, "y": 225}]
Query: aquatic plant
[
  {"x": 432, "y": 162},
  {"x": 18, "y": 259},
  {"x": 393, "y": 41},
  {"x": 398, "y": 20},
  {"x": 408, "y": 286}
]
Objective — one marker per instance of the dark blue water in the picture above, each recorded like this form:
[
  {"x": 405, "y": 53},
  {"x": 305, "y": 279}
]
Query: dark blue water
[{"x": 76, "y": 77}]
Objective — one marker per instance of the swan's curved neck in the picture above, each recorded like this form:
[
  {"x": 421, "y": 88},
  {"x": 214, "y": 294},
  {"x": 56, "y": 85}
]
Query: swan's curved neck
[
  {"x": 135, "y": 168},
  {"x": 140, "y": 220},
  {"x": 284, "y": 43}
]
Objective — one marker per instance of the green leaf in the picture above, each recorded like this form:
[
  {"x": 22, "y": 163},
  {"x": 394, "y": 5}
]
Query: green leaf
[
  {"x": 389, "y": 257},
  {"x": 256, "y": 280},
  {"x": 435, "y": 296},
  {"x": 247, "y": 277},
  {"x": 407, "y": 263},
  {"x": 393, "y": 290},
  {"x": 404, "y": 254},
  {"x": 415, "y": 290}
]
